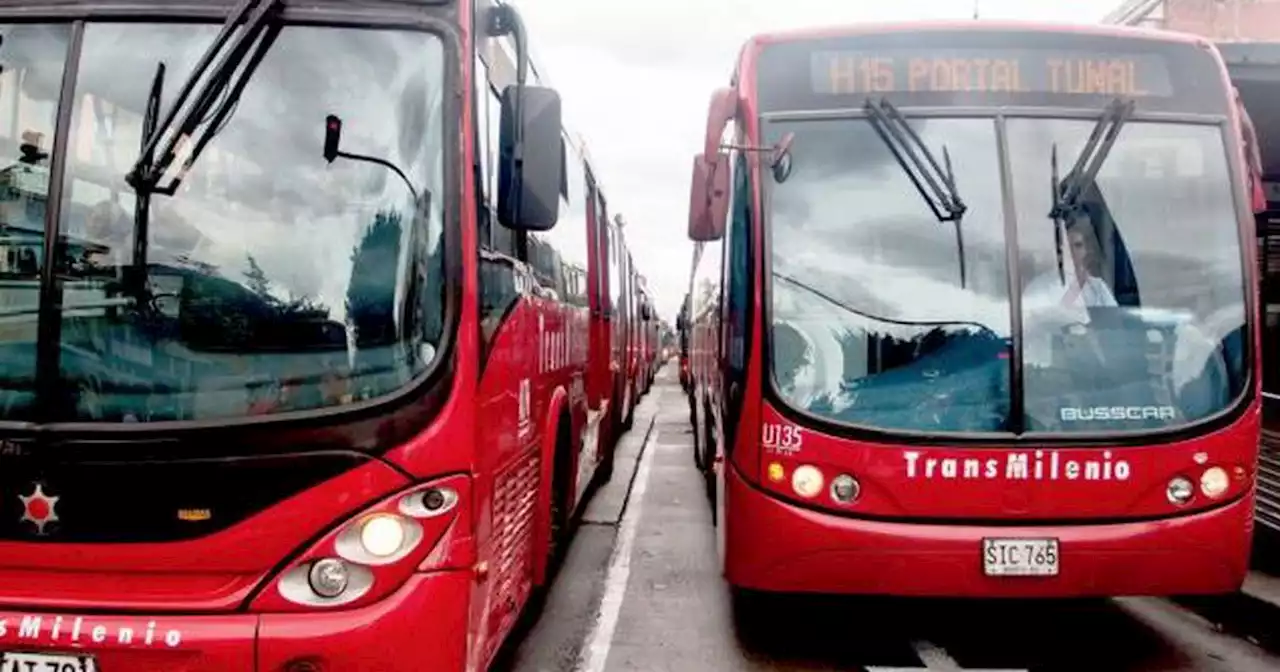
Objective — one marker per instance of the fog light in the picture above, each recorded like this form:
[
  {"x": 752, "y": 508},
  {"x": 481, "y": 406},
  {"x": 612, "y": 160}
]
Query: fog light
[
  {"x": 329, "y": 577},
  {"x": 806, "y": 481},
  {"x": 1180, "y": 490},
  {"x": 776, "y": 473},
  {"x": 1214, "y": 482},
  {"x": 844, "y": 488},
  {"x": 382, "y": 535}
]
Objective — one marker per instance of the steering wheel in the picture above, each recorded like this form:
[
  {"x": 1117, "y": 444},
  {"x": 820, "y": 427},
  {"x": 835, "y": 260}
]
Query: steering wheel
[{"x": 1080, "y": 332}]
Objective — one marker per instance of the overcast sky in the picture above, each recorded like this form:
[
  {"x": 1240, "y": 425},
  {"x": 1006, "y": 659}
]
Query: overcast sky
[{"x": 636, "y": 76}]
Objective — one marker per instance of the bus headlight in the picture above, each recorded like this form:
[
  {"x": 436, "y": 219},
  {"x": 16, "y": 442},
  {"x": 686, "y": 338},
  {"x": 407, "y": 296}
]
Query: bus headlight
[
  {"x": 845, "y": 488},
  {"x": 1179, "y": 490},
  {"x": 806, "y": 481},
  {"x": 1214, "y": 482},
  {"x": 382, "y": 535},
  {"x": 329, "y": 577}
]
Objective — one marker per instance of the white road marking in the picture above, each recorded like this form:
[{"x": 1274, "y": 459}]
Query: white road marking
[
  {"x": 615, "y": 587},
  {"x": 935, "y": 659}
]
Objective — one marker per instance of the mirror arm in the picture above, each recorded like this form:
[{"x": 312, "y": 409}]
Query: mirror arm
[{"x": 385, "y": 163}]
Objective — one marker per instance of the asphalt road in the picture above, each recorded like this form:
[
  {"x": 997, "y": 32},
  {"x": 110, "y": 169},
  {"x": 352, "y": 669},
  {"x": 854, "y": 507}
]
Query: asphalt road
[{"x": 640, "y": 590}]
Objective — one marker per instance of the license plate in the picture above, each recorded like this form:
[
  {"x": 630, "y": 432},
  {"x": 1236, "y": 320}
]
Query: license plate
[
  {"x": 1019, "y": 557},
  {"x": 45, "y": 662}
]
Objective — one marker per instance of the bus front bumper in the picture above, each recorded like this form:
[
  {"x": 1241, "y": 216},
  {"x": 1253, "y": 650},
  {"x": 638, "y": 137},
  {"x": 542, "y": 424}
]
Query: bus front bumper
[
  {"x": 771, "y": 545},
  {"x": 422, "y": 626}
]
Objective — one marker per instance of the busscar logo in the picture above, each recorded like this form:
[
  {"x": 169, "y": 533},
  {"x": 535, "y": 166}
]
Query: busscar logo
[
  {"x": 1092, "y": 413},
  {"x": 39, "y": 508}
]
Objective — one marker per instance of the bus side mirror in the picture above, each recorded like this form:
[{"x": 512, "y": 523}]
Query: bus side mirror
[
  {"x": 708, "y": 197},
  {"x": 645, "y": 312},
  {"x": 530, "y": 164}
]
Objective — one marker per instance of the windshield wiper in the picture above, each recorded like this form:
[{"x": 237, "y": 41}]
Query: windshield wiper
[
  {"x": 1069, "y": 191},
  {"x": 941, "y": 194},
  {"x": 135, "y": 278},
  {"x": 224, "y": 82}
]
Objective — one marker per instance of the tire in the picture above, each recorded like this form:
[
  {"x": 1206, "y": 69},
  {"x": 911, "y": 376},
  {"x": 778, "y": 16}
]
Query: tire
[{"x": 559, "y": 518}]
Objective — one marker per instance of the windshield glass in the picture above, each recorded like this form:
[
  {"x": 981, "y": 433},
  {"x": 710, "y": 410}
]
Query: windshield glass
[
  {"x": 871, "y": 323},
  {"x": 272, "y": 280},
  {"x": 32, "y": 59},
  {"x": 872, "y": 326},
  {"x": 1143, "y": 328}
]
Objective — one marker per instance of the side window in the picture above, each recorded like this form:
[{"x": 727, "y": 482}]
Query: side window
[
  {"x": 569, "y": 237},
  {"x": 500, "y": 281},
  {"x": 737, "y": 269},
  {"x": 484, "y": 163},
  {"x": 501, "y": 239}
]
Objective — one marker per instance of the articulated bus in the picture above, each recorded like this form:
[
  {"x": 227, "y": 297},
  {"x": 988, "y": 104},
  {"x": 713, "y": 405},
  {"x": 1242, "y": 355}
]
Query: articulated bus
[
  {"x": 320, "y": 394},
  {"x": 1253, "y": 66},
  {"x": 978, "y": 304}
]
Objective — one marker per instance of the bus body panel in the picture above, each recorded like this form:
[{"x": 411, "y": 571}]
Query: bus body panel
[
  {"x": 213, "y": 573},
  {"x": 811, "y": 551},
  {"x": 384, "y": 636},
  {"x": 1009, "y": 482}
]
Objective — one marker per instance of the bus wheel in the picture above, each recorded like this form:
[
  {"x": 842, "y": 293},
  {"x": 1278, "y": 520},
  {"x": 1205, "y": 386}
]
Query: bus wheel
[
  {"x": 750, "y": 609},
  {"x": 708, "y": 466},
  {"x": 558, "y": 533},
  {"x": 697, "y": 435},
  {"x": 628, "y": 407}
]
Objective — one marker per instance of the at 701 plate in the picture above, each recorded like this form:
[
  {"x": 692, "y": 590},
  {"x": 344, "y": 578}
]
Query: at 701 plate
[
  {"x": 45, "y": 662},
  {"x": 1020, "y": 557}
]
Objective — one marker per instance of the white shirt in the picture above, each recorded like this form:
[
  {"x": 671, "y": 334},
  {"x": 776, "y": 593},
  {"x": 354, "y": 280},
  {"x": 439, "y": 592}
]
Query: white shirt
[{"x": 1049, "y": 304}]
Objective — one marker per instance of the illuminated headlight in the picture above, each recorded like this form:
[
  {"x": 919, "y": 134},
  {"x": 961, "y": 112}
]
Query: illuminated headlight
[
  {"x": 382, "y": 535},
  {"x": 776, "y": 472},
  {"x": 329, "y": 577},
  {"x": 1179, "y": 490},
  {"x": 806, "y": 481},
  {"x": 1214, "y": 482},
  {"x": 844, "y": 488}
]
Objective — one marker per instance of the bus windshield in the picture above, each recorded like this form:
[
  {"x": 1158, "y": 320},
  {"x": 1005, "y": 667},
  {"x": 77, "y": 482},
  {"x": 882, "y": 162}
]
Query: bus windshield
[
  {"x": 272, "y": 280},
  {"x": 1140, "y": 326}
]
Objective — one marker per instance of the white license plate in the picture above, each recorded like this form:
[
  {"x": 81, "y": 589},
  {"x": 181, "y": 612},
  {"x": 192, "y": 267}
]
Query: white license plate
[
  {"x": 45, "y": 662},
  {"x": 1018, "y": 557}
]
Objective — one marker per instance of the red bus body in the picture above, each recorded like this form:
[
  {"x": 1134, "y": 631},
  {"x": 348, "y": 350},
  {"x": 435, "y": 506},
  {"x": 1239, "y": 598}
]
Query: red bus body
[
  {"x": 925, "y": 502},
  {"x": 215, "y": 526}
]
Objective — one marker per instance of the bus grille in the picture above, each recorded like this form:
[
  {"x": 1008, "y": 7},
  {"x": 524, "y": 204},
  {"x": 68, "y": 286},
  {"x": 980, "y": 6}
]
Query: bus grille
[
  {"x": 1268, "y": 513},
  {"x": 515, "y": 503}
]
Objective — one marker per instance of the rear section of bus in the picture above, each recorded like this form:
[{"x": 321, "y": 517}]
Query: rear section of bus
[
  {"x": 1004, "y": 343},
  {"x": 1255, "y": 71}
]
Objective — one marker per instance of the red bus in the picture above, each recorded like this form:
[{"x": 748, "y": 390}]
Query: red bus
[
  {"x": 650, "y": 337},
  {"x": 324, "y": 409},
  {"x": 976, "y": 313}
]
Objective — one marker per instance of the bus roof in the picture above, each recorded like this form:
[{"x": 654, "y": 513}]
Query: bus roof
[
  {"x": 985, "y": 63},
  {"x": 847, "y": 30}
]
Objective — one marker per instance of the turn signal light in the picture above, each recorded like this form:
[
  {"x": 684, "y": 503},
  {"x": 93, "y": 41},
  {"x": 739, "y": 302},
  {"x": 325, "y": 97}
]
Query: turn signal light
[{"x": 371, "y": 554}]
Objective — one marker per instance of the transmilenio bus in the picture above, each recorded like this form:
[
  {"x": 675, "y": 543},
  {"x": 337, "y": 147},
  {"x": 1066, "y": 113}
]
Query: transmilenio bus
[
  {"x": 314, "y": 331},
  {"x": 974, "y": 313}
]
